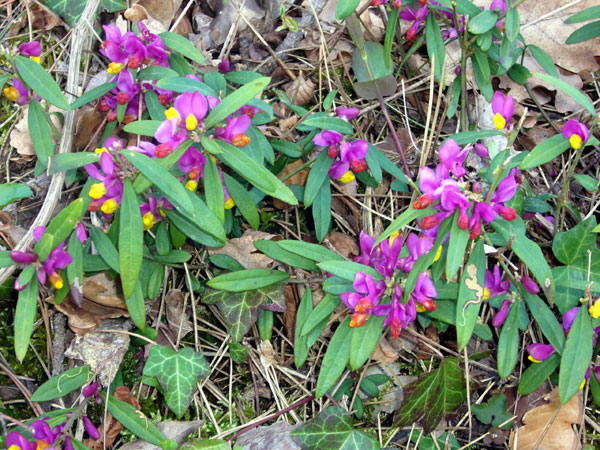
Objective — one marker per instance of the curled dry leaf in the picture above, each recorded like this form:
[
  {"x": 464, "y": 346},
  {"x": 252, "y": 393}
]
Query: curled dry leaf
[
  {"x": 157, "y": 14},
  {"x": 176, "y": 316},
  {"x": 242, "y": 249},
  {"x": 344, "y": 244},
  {"x": 103, "y": 351},
  {"x": 299, "y": 178},
  {"x": 88, "y": 122},
  {"x": 560, "y": 434},
  {"x": 301, "y": 90}
]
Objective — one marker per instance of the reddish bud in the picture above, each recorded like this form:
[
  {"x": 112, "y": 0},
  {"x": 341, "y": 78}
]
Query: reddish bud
[
  {"x": 429, "y": 222},
  {"x": 103, "y": 106},
  {"x": 163, "y": 99},
  {"x": 333, "y": 151},
  {"x": 463, "y": 220},
  {"x": 423, "y": 201},
  {"x": 475, "y": 230},
  {"x": 249, "y": 111},
  {"x": 194, "y": 173},
  {"x": 428, "y": 304},
  {"x": 358, "y": 165},
  {"x": 128, "y": 118},
  {"x": 95, "y": 205},
  {"x": 411, "y": 33},
  {"x": 134, "y": 62},
  {"x": 162, "y": 150},
  {"x": 507, "y": 213},
  {"x": 397, "y": 4},
  {"x": 123, "y": 98},
  {"x": 111, "y": 116}
]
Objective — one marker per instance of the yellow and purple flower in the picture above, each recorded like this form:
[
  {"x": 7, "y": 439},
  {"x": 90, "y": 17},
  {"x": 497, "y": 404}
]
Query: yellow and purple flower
[
  {"x": 503, "y": 107},
  {"x": 576, "y": 132}
]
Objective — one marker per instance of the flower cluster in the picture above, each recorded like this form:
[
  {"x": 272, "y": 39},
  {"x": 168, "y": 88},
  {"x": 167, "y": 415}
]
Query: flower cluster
[
  {"x": 449, "y": 191},
  {"x": 126, "y": 52},
  {"x": 108, "y": 192},
  {"x": 418, "y": 18},
  {"x": 18, "y": 92},
  {"x": 385, "y": 297},
  {"x": 348, "y": 157},
  {"x": 48, "y": 269},
  {"x": 46, "y": 437}
]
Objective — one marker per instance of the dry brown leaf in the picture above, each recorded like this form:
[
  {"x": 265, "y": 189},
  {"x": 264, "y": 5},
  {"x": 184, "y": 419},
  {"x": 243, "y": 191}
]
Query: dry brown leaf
[
  {"x": 384, "y": 352},
  {"x": 298, "y": 178},
  {"x": 103, "y": 351},
  {"x": 229, "y": 16},
  {"x": 301, "y": 90},
  {"x": 344, "y": 244},
  {"x": 11, "y": 232},
  {"x": 88, "y": 122},
  {"x": 242, "y": 249},
  {"x": 560, "y": 435},
  {"x": 176, "y": 316},
  {"x": 287, "y": 123},
  {"x": 155, "y": 14},
  {"x": 289, "y": 315},
  {"x": 20, "y": 138}
]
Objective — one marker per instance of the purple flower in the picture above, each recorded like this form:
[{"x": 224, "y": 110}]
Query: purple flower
[
  {"x": 106, "y": 195},
  {"x": 91, "y": 429},
  {"x": 169, "y": 136},
  {"x": 530, "y": 285},
  {"x": 398, "y": 314},
  {"x": 347, "y": 113},
  {"x": 482, "y": 151},
  {"x": 452, "y": 157},
  {"x": 576, "y": 132},
  {"x": 503, "y": 108},
  {"x": 499, "y": 6},
  {"x": 366, "y": 297},
  {"x": 16, "y": 439},
  {"x": 192, "y": 162},
  {"x": 422, "y": 293},
  {"x": 539, "y": 352},
  {"x": 33, "y": 49},
  {"x": 481, "y": 211},
  {"x": 417, "y": 246},
  {"x": 368, "y": 252},
  {"x": 354, "y": 153},
  {"x": 329, "y": 138},
  {"x": 90, "y": 389},
  {"x": 500, "y": 316},
  {"x": 569, "y": 318},
  {"x": 494, "y": 285},
  {"x": 191, "y": 108},
  {"x": 235, "y": 131},
  {"x": 81, "y": 233},
  {"x": 224, "y": 66},
  {"x": 17, "y": 92}
]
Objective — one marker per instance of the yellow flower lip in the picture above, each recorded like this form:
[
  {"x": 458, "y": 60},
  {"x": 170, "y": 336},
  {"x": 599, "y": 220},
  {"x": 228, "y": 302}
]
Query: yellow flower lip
[
  {"x": 499, "y": 121},
  {"x": 347, "y": 177},
  {"x": 229, "y": 203},
  {"x": 115, "y": 68},
  {"x": 575, "y": 141},
  {"x": 149, "y": 220},
  {"x": 97, "y": 191},
  {"x": 11, "y": 93},
  {"x": 109, "y": 206}
]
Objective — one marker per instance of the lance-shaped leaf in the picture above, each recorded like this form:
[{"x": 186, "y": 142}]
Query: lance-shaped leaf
[
  {"x": 433, "y": 396},
  {"x": 25, "y": 317},
  {"x": 177, "y": 373},
  {"x": 41, "y": 82},
  {"x": 131, "y": 242},
  {"x": 332, "y": 429},
  {"x": 244, "y": 280},
  {"x": 62, "y": 384},
  {"x": 240, "y": 309},
  {"x": 236, "y": 100}
]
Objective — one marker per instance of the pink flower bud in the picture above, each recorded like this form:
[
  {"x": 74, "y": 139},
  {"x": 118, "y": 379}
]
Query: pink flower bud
[
  {"x": 530, "y": 285},
  {"x": 91, "y": 429},
  {"x": 90, "y": 389}
]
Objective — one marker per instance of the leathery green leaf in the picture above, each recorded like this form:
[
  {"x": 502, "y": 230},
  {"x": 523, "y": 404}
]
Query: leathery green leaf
[
  {"x": 236, "y": 100},
  {"x": 25, "y": 317},
  {"x": 131, "y": 240},
  {"x": 336, "y": 357},
  {"x": 508, "y": 345},
  {"x": 41, "y": 82},
  {"x": 244, "y": 280}
]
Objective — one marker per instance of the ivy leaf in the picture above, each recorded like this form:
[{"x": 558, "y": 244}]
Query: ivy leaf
[
  {"x": 70, "y": 10},
  {"x": 240, "y": 309},
  {"x": 433, "y": 396},
  {"x": 571, "y": 246},
  {"x": 332, "y": 429},
  {"x": 177, "y": 373},
  {"x": 493, "y": 412}
]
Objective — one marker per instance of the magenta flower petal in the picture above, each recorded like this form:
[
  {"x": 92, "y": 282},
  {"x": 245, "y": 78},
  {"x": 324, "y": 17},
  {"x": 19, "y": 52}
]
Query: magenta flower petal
[
  {"x": 530, "y": 285},
  {"x": 23, "y": 257},
  {"x": 569, "y": 318},
  {"x": 540, "y": 352},
  {"x": 32, "y": 48},
  {"x": 338, "y": 169},
  {"x": 500, "y": 316},
  {"x": 38, "y": 232},
  {"x": 498, "y": 102}
]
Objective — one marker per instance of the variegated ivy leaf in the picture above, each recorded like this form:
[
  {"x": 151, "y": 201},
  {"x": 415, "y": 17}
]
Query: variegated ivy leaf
[
  {"x": 177, "y": 373},
  {"x": 70, "y": 10},
  {"x": 240, "y": 309}
]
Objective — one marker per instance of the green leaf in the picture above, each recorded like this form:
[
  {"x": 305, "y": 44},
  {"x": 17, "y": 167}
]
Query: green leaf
[
  {"x": 316, "y": 177},
  {"x": 512, "y": 24},
  {"x": 402, "y": 220},
  {"x": 243, "y": 201},
  {"x": 177, "y": 373},
  {"x": 93, "y": 94},
  {"x": 170, "y": 187},
  {"x": 528, "y": 251},
  {"x": 244, "y": 280},
  {"x": 236, "y": 100},
  {"x": 546, "y": 320},
  {"x": 25, "y": 316},
  {"x": 468, "y": 137},
  {"x": 321, "y": 312},
  {"x": 11, "y": 192},
  {"x": 324, "y": 122},
  {"x": 39, "y": 132},
  {"x": 68, "y": 161},
  {"x": 182, "y": 45},
  {"x": 390, "y": 34},
  {"x": 242, "y": 77},
  {"x": 590, "y": 184},
  {"x": 572, "y": 280},
  {"x": 576, "y": 356},
  {"x": 131, "y": 240},
  {"x": 543, "y": 60},
  {"x": 585, "y": 15},
  {"x": 508, "y": 344},
  {"x": 157, "y": 72},
  {"x": 344, "y": 8},
  {"x": 569, "y": 90},
  {"x": 206, "y": 444},
  {"x": 75, "y": 269},
  {"x": 311, "y": 251},
  {"x": 435, "y": 44},
  {"x": 321, "y": 211},
  {"x": 493, "y": 412},
  {"x": 537, "y": 373},
  {"x": 105, "y": 248},
  {"x": 364, "y": 340},
  {"x": 348, "y": 269},
  {"x": 332, "y": 429},
  {"x": 301, "y": 347},
  {"x": 572, "y": 245},
  {"x": 63, "y": 384},
  {"x": 70, "y": 10},
  {"x": 470, "y": 295},
  {"x": 255, "y": 173},
  {"x": 545, "y": 151},
  {"x": 377, "y": 61},
  {"x": 456, "y": 248},
  {"x": 213, "y": 190},
  {"x": 433, "y": 396},
  {"x": 183, "y": 84},
  {"x": 135, "y": 421},
  {"x": 143, "y": 127},
  {"x": 41, "y": 82},
  {"x": 483, "y": 22},
  {"x": 336, "y": 357},
  {"x": 585, "y": 33},
  {"x": 240, "y": 309},
  {"x": 136, "y": 307},
  {"x": 59, "y": 229},
  {"x": 275, "y": 251}
]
